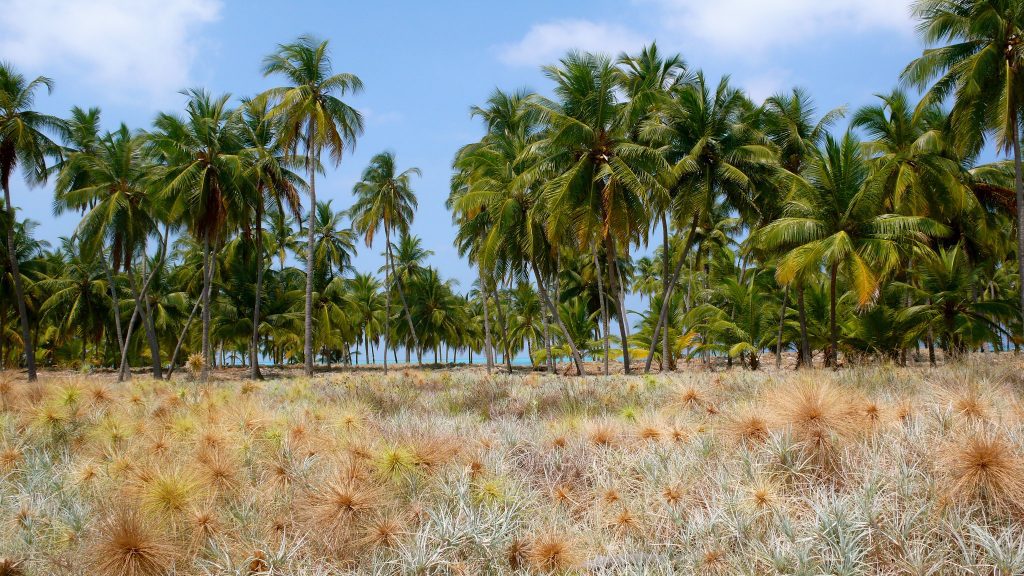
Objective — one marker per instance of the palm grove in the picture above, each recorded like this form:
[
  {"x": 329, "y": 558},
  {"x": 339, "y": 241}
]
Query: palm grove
[{"x": 745, "y": 228}]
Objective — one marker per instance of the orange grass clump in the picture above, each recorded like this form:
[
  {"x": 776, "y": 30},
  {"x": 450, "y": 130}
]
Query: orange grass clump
[
  {"x": 983, "y": 466},
  {"x": 553, "y": 553},
  {"x": 127, "y": 544}
]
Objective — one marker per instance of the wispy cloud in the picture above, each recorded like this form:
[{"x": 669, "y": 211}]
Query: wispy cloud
[
  {"x": 137, "y": 49},
  {"x": 545, "y": 43},
  {"x": 750, "y": 27}
]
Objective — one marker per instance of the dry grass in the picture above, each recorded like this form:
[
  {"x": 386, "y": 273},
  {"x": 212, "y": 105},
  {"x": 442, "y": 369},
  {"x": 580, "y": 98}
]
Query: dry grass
[{"x": 866, "y": 470}]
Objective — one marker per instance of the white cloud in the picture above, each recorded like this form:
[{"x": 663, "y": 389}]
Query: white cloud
[
  {"x": 133, "y": 48},
  {"x": 546, "y": 43},
  {"x": 749, "y": 27}
]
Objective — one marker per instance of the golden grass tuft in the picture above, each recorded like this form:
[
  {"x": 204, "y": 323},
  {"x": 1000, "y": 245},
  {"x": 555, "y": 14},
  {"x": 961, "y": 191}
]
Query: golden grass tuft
[
  {"x": 553, "y": 553},
  {"x": 127, "y": 544},
  {"x": 167, "y": 492},
  {"x": 334, "y": 510},
  {"x": 383, "y": 531},
  {"x": 820, "y": 414},
  {"x": 747, "y": 425},
  {"x": 983, "y": 466}
]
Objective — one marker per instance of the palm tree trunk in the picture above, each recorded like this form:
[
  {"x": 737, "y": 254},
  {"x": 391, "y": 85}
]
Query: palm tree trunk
[
  {"x": 405, "y": 305},
  {"x": 782, "y": 323},
  {"x": 613, "y": 287},
  {"x": 580, "y": 371},
  {"x": 667, "y": 361},
  {"x": 19, "y": 289},
  {"x": 487, "y": 350},
  {"x": 667, "y": 298},
  {"x": 124, "y": 370},
  {"x": 254, "y": 344},
  {"x": 311, "y": 166},
  {"x": 833, "y": 331},
  {"x": 1018, "y": 185},
  {"x": 147, "y": 319},
  {"x": 207, "y": 281},
  {"x": 387, "y": 296},
  {"x": 504, "y": 330},
  {"x": 113, "y": 300},
  {"x": 548, "y": 360},
  {"x": 181, "y": 338},
  {"x": 805, "y": 346},
  {"x": 604, "y": 309}
]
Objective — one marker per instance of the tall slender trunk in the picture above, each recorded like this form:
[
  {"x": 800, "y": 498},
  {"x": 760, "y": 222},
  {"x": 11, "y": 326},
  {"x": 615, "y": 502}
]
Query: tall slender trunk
[
  {"x": 254, "y": 345},
  {"x": 311, "y": 166},
  {"x": 207, "y": 281},
  {"x": 147, "y": 319},
  {"x": 124, "y": 371},
  {"x": 667, "y": 361},
  {"x": 488, "y": 349},
  {"x": 604, "y": 309},
  {"x": 3, "y": 327},
  {"x": 181, "y": 337},
  {"x": 931, "y": 344},
  {"x": 782, "y": 323},
  {"x": 805, "y": 344},
  {"x": 114, "y": 300},
  {"x": 667, "y": 298},
  {"x": 580, "y": 371},
  {"x": 139, "y": 311},
  {"x": 833, "y": 330},
  {"x": 405, "y": 304},
  {"x": 19, "y": 289},
  {"x": 504, "y": 329},
  {"x": 387, "y": 296},
  {"x": 548, "y": 360},
  {"x": 613, "y": 287},
  {"x": 1018, "y": 186}
]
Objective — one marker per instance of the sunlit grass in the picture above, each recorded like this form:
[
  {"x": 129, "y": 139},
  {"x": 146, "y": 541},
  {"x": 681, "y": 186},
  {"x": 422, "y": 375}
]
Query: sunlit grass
[{"x": 866, "y": 470}]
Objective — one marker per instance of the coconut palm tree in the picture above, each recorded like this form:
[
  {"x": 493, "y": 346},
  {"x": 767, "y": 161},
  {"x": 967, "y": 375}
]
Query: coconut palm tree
[
  {"x": 496, "y": 198},
  {"x": 978, "y": 62},
  {"x": 24, "y": 140},
  {"x": 273, "y": 182},
  {"x": 385, "y": 199},
  {"x": 199, "y": 174},
  {"x": 792, "y": 124},
  {"x": 313, "y": 119},
  {"x": 603, "y": 176},
  {"x": 716, "y": 157},
  {"x": 837, "y": 221}
]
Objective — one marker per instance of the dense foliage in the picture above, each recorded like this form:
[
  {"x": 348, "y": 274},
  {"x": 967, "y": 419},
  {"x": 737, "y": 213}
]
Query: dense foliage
[{"x": 746, "y": 228}]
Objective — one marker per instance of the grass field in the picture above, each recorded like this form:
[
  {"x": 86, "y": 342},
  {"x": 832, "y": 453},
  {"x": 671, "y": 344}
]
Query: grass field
[{"x": 862, "y": 471}]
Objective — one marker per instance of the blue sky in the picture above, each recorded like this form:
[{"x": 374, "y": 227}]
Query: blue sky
[{"x": 425, "y": 63}]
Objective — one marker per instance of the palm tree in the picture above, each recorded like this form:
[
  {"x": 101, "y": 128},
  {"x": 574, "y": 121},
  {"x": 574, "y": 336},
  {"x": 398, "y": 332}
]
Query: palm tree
[
  {"x": 947, "y": 287},
  {"x": 980, "y": 68},
  {"x": 23, "y": 140},
  {"x": 365, "y": 308},
  {"x": 273, "y": 182},
  {"x": 649, "y": 81},
  {"x": 715, "y": 156},
  {"x": 603, "y": 176},
  {"x": 200, "y": 168},
  {"x": 29, "y": 252},
  {"x": 837, "y": 221},
  {"x": 496, "y": 200},
  {"x": 110, "y": 184},
  {"x": 384, "y": 198},
  {"x": 313, "y": 118},
  {"x": 76, "y": 294},
  {"x": 791, "y": 124}
]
